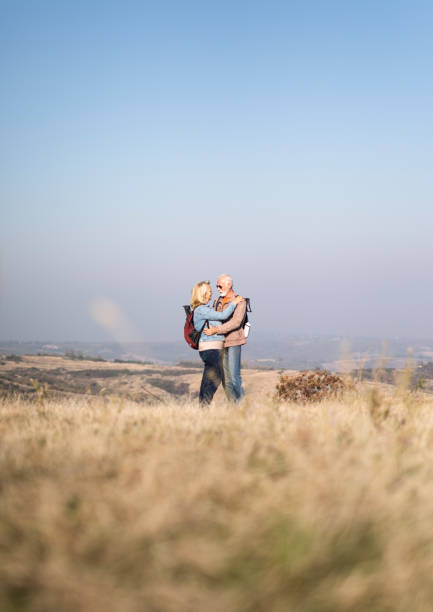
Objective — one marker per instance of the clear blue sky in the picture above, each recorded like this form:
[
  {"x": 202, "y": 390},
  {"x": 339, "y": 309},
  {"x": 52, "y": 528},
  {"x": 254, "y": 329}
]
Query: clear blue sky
[{"x": 148, "y": 145}]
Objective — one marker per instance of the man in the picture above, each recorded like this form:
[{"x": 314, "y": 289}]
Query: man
[{"x": 234, "y": 338}]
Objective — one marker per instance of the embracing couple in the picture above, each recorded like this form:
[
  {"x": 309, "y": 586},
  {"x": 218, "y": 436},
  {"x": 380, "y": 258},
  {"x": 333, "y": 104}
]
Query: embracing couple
[{"x": 221, "y": 339}]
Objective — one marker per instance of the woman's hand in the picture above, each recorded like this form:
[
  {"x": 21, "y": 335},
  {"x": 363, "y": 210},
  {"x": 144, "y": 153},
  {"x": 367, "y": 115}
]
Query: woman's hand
[{"x": 211, "y": 331}]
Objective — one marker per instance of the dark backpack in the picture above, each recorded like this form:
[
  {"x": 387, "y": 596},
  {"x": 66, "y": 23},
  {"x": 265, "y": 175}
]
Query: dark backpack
[
  {"x": 191, "y": 335},
  {"x": 247, "y": 310}
]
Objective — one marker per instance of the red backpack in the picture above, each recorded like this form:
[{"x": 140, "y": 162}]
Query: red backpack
[{"x": 191, "y": 335}]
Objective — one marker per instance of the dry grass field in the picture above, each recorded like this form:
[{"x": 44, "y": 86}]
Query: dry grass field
[{"x": 109, "y": 504}]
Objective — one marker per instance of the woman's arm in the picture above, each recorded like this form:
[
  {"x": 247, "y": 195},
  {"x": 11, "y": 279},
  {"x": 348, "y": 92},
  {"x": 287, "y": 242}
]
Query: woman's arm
[
  {"x": 206, "y": 312},
  {"x": 234, "y": 323}
]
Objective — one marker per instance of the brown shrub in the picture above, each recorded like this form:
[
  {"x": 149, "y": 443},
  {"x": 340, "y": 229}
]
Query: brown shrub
[{"x": 309, "y": 386}]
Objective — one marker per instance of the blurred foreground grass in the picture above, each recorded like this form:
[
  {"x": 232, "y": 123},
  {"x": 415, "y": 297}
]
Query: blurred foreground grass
[{"x": 122, "y": 507}]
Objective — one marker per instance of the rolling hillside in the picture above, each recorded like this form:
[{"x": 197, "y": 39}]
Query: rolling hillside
[{"x": 57, "y": 377}]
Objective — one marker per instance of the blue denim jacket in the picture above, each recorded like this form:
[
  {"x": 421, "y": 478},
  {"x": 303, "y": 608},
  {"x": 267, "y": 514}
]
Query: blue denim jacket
[{"x": 206, "y": 313}]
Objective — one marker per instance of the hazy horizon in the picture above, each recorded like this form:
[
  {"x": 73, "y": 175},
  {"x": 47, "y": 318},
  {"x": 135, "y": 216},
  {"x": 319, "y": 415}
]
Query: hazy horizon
[{"x": 147, "y": 147}]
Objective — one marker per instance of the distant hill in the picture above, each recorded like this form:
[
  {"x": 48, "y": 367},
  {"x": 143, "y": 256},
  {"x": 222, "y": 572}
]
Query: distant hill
[
  {"x": 53, "y": 376},
  {"x": 57, "y": 377}
]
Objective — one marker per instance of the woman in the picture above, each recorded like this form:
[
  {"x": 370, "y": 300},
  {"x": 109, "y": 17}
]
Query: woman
[{"x": 209, "y": 346}]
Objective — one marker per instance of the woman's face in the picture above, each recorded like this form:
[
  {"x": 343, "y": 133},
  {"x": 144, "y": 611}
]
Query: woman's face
[{"x": 208, "y": 294}]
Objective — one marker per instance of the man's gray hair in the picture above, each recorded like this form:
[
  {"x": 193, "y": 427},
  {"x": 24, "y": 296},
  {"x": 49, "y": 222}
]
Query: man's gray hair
[{"x": 227, "y": 278}]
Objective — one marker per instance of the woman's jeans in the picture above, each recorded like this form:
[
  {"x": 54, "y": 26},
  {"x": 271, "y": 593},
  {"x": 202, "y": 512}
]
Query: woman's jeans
[
  {"x": 212, "y": 375},
  {"x": 231, "y": 358}
]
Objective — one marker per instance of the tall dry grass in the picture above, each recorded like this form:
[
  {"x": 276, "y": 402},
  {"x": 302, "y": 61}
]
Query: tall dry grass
[{"x": 123, "y": 507}]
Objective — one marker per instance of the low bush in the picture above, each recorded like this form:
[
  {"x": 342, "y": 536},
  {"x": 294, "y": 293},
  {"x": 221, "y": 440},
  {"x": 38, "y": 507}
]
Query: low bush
[
  {"x": 190, "y": 364},
  {"x": 79, "y": 356},
  {"x": 309, "y": 386},
  {"x": 170, "y": 386},
  {"x": 13, "y": 357}
]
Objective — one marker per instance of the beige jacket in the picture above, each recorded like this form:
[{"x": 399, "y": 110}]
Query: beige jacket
[{"x": 232, "y": 328}]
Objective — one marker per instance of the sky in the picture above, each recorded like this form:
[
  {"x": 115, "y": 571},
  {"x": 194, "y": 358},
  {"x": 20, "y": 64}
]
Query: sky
[{"x": 145, "y": 146}]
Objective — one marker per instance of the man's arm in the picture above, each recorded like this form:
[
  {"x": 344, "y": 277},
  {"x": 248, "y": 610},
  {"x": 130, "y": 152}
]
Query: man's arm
[{"x": 235, "y": 321}]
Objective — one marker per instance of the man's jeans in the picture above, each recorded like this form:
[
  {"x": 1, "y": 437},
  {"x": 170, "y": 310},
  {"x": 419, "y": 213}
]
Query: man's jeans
[
  {"x": 212, "y": 375},
  {"x": 232, "y": 381}
]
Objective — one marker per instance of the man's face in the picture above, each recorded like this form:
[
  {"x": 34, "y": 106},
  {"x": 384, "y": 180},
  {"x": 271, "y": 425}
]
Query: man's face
[{"x": 222, "y": 286}]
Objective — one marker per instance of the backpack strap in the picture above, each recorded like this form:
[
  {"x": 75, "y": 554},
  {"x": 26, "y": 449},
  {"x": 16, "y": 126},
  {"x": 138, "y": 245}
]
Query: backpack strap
[
  {"x": 191, "y": 311},
  {"x": 188, "y": 311}
]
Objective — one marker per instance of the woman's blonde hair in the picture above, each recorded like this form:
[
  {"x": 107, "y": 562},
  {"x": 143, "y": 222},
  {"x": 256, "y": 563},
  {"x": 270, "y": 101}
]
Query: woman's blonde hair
[{"x": 198, "y": 293}]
